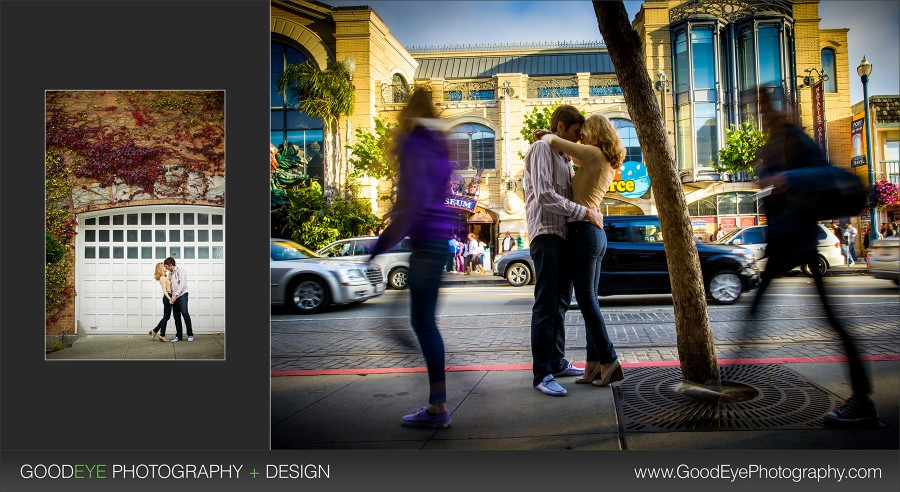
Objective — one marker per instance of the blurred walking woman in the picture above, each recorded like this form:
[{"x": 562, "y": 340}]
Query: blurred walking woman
[
  {"x": 598, "y": 156},
  {"x": 424, "y": 174},
  {"x": 160, "y": 275}
]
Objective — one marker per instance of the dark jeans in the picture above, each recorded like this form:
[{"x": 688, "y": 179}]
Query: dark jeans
[
  {"x": 587, "y": 244},
  {"x": 451, "y": 263},
  {"x": 552, "y": 294},
  {"x": 425, "y": 269},
  {"x": 167, "y": 312},
  {"x": 781, "y": 261},
  {"x": 181, "y": 307}
]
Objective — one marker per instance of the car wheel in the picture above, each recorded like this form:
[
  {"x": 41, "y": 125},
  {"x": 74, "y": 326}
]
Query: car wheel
[
  {"x": 309, "y": 295},
  {"x": 398, "y": 278},
  {"x": 725, "y": 287},
  {"x": 821, "y": 264},
  {"x": 518, "y": 274}
]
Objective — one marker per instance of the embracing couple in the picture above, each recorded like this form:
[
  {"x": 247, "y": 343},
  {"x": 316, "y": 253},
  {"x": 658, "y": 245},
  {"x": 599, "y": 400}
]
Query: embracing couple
[
  {"x": 173, "y": 281},
  {"x": 565, "y": 227}
]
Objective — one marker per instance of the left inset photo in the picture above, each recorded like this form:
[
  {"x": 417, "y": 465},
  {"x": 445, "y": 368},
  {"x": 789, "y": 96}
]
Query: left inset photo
[{"x": 135, "y": 225}]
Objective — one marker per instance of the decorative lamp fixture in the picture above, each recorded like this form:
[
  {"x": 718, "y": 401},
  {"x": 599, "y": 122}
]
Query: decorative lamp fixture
[
  {"x": 350, "y": 64},
  {"x": 170, "y": 176},
  {"x": 509, "y": 182}
]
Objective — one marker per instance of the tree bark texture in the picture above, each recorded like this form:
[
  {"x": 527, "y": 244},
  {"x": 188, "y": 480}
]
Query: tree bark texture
[{"x": 695, "y": 344}]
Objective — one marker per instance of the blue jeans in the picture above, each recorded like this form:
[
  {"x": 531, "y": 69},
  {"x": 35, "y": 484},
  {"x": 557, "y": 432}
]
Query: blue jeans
[
  {"x": 426, "y": 265},
  {"x": 587, "y": 244},
  {"x": 167, "y": 312},
  {"x": 552, "y": 294},
  {"x": 181, "y": 308}
]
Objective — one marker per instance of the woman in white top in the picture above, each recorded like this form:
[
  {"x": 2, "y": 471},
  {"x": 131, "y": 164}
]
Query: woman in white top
[
  {"x": 598, "y": 157},
  {"x": 472, "y": 256},
  {"x": 160, "y": 275}
]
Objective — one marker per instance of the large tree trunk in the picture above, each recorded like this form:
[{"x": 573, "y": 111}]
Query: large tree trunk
[{"x": 695, "y": 344}]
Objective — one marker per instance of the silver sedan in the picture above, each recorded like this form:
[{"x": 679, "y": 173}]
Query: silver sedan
[{"x": 309, "y": 283}]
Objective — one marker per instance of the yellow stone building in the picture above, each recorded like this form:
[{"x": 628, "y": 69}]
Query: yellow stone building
[{"x": 706, "y": 56}]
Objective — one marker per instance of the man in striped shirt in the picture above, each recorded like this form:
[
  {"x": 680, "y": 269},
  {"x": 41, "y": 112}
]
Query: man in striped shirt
[
  {"x": 178, "y": 277},
  {"x": 548, "y": 204}
]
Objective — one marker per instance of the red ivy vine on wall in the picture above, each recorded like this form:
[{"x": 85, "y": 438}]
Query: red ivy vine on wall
[{"x": 135, "y": 137}]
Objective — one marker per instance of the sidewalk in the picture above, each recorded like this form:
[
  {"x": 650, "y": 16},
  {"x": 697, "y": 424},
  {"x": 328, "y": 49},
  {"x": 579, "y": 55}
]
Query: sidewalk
[
  {"x": 114, "y": 347},
  {"x": 497, "y": 409}
]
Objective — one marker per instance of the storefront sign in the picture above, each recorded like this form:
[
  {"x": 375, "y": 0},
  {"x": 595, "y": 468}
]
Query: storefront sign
[
  {"x": 748, "y": 221},
  {"x": 728, "y": 223},
  {"x": 818, "y": 99},
  {"x": 462, "y": 196},
  {"x": 857, "y": 140},
  {"x": 460, "y": 203},
  {"x": 631, "y": 180}
]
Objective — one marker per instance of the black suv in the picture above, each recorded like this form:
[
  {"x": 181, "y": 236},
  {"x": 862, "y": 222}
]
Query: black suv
[{"x": 635, "y": 263}]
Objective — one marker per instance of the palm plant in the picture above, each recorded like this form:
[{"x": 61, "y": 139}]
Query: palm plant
[{"x": 325, "y": 94}]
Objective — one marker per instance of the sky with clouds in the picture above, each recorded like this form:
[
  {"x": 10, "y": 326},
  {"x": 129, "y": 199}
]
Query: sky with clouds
[{"x": 874, "y": 28}]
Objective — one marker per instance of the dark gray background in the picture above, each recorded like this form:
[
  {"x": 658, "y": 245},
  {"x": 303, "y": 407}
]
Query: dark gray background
[{"x": 134, "y": 404}]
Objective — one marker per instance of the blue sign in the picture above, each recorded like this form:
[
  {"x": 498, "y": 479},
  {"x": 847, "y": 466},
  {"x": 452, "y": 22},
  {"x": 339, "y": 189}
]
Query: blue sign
[
  {"x": 460, "y": 203},
  {"x": 634, "y": 174}
]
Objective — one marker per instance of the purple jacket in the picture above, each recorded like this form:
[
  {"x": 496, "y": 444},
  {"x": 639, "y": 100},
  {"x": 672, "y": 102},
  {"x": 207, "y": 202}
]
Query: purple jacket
[{"x": 424, "y": 183}]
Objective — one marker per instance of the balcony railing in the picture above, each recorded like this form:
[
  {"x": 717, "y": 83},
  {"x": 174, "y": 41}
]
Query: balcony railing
[
  {"x": 471, "y": 91},
  {"x": 399, "y": 93},
  {"x": 891, "y": 170},
  {"x": 605, "y": 86},
  {"x": 552, "y": 87}
]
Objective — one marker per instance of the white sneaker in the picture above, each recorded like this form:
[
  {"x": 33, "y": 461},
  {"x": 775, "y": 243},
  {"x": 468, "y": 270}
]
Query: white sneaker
[
  {"x": 175, "y": 340},
  {"x": 190, "y": 339}
]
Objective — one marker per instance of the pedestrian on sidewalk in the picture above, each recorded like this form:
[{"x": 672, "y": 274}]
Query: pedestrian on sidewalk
[
  {"x": 451, "y": 255},
  {"x": 159, "y": 274},
  {"x": 419, "y": 212},
  {"x": 792, "y": 241},
  {"x": 460, "y": 255},
  {"x": 850, "y": 231},
  {"x": 471, "y": 253},
  {"x": 842, "y": 238},
  {"x": 598, "y": 156},
  {"x": 548, "y": 203}
]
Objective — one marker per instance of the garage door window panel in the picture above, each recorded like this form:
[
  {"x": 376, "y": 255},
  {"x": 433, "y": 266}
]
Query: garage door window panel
[
  {"x": 174, "y": 219},
  {"x": 118, "y": 220}
]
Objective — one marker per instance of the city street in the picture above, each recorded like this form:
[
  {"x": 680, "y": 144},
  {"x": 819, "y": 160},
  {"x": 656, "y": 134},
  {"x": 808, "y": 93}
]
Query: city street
[{"x": 490, "y": 326}]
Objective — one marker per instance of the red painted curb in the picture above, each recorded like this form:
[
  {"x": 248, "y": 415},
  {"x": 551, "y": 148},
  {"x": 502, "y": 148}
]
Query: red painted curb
[{"x": 525, "y": 367}]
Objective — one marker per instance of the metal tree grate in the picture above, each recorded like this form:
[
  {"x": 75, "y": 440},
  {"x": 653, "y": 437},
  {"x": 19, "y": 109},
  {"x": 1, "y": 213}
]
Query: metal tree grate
[{"x": 648, "y": 401}]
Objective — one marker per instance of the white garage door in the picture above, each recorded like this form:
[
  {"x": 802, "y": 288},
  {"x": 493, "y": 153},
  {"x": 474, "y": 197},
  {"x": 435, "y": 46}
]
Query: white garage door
[{"x": 117, "y": 250}]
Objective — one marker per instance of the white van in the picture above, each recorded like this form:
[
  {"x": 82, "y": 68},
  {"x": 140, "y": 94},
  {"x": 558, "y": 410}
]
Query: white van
[{"x": 753, "y": 238}]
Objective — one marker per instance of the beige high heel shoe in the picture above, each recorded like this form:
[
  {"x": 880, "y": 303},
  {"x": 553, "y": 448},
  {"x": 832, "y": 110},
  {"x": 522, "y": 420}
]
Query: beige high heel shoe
[
  {"x": 613, "y": 374},
  {"x": 591, "y": 372}
]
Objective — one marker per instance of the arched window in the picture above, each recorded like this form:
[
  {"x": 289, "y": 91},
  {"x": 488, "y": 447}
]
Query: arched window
[
  {"x": 400, "y": 90},
  {"x": 287, "y": 123},
  {"x": 472, "y": 147},
  {"x": 829, "y": 70},
  {"x": 629, "y": 140}
]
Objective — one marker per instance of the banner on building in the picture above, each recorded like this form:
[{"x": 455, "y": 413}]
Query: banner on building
[
  {"x": 818, "y": 98},
  {"x": 462, "y": 196},
  {"x": 631, "y": 180},
  {"x": 858, "y": 140}
]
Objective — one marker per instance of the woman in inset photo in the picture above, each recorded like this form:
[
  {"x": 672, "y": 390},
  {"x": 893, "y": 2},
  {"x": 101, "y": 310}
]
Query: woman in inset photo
[{"x": 159, "y": 274}]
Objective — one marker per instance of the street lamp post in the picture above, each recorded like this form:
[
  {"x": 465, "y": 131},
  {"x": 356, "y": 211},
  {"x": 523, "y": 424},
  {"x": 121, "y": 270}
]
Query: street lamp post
[
  {"x": 864, "y": 70},
  {"x": 471, "y": 131}
]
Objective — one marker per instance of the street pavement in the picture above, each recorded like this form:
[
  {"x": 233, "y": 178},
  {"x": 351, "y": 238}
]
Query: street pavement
[{"x": 342, "y": 380}]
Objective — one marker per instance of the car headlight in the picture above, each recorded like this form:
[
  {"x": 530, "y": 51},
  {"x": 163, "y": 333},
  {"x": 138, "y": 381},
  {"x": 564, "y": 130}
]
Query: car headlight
[
  {"x": 355, "y": 274},
  {"x": 746, "y": 254}
]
